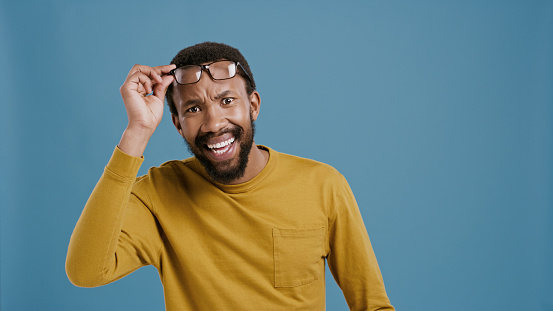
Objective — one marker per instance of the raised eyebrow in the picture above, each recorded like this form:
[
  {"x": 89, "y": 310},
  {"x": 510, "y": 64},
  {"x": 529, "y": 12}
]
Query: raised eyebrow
[{"x": 223, "y": 94}]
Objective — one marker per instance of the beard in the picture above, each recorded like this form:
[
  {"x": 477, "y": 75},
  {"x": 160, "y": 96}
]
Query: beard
[{"x": 225, "y": 172}]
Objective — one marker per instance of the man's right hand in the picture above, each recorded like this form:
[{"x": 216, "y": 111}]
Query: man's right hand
[{"x": 143, "y": 94}]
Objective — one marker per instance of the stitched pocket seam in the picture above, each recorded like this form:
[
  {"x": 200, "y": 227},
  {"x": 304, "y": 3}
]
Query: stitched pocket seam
[{"x": 297, "y": 256}]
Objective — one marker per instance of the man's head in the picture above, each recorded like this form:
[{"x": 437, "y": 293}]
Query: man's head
[
  {"x": 207, "y": 52},
  {"x": 215, "y": 116}
]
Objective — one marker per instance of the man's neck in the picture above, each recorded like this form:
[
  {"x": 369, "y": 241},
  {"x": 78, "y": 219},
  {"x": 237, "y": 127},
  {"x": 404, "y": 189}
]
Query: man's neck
[{"x": 257, "y": 160}]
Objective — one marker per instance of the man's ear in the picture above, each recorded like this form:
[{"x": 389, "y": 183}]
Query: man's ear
[
  {"x": 176, "y": 123},
  {"x": 255, "y": 103}
]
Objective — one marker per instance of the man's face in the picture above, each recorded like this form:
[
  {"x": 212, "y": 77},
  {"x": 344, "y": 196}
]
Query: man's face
[{"x": 215, "y": 117}]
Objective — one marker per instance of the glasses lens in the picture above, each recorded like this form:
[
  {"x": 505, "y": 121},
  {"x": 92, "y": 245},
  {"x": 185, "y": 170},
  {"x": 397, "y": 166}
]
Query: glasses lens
[
  {"x": 222, "y": 70},
  {"x": 188, "y": 74}
]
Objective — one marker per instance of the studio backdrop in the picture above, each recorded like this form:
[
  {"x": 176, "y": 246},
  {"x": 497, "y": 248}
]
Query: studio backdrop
[{"x": 439, "y": 114}]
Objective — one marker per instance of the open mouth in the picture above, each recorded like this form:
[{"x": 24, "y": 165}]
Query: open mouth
[{"x": 221, "y": 148}]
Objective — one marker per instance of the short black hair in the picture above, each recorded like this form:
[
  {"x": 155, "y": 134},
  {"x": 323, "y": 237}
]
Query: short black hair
[{"x": 206, "y": 52}]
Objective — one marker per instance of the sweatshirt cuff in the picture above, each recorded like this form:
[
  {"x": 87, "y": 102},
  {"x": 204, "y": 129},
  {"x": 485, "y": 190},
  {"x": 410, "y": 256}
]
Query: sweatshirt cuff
[{"x": 123, "y": 164}]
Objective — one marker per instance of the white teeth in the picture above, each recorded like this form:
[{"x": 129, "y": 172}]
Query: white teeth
[{"x": 221, "y": 144}]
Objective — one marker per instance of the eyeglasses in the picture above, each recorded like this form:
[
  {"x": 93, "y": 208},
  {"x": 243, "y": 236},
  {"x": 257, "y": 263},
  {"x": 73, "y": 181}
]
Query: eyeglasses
[{"x": 219, "y": 70}]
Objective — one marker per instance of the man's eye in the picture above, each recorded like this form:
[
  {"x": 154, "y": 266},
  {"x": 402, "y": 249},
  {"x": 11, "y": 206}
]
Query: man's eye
[
  {"x": 193, "y": 109},
  {"x": 227, "y": 101}
]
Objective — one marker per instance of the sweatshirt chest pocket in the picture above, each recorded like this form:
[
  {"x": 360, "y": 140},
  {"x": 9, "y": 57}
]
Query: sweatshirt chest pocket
[{"x": 298, "y": 256}]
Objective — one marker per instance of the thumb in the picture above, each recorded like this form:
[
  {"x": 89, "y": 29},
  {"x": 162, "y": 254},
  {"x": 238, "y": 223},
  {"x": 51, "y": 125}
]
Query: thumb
[{"x": 161, "y": 88}]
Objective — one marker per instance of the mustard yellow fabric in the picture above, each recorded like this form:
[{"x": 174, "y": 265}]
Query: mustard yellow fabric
[{"x": 260, "y": 245}]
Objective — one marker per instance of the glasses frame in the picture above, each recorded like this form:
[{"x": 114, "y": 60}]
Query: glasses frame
[{"x": 206, "y": 68}]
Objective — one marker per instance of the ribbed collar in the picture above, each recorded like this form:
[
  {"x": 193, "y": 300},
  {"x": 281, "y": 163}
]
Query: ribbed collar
[{"x": 250, "y": 184}]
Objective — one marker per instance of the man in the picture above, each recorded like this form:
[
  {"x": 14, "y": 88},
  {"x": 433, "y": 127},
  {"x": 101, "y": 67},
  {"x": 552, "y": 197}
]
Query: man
[{"x": 236, "y": 227}]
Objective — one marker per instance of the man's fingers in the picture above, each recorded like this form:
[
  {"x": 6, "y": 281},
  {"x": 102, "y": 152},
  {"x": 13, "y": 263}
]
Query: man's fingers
[
  {"x": 135, "y": 69},
  {"x": 141, "y": 89},
  {"x": 146, "y": 70},
  {"x": 138, "y": 82},
  {"x": 155, "y": 73},
  {"x": 161, "y": 88},
  {"x": 160, "y": 72},
  {"x": 146, "y": 80},
  {"x": 165, "y": 69}
]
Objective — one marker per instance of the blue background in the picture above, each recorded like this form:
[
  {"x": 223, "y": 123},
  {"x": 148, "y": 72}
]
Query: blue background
[{"x": 439, "y": 114}]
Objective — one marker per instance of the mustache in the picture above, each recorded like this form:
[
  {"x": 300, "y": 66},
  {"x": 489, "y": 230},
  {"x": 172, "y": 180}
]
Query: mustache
[{"x": 202, "y": 138}]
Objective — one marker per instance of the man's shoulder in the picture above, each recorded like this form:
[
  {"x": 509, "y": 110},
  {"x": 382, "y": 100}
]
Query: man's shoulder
[
  {"x": 172, "y": 169},
  {"x": 305, "y": 165},
  {"x": 304, "y": 161}
]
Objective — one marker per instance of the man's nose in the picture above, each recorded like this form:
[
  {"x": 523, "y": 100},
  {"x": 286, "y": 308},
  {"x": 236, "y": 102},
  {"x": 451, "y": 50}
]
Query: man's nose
[{"x": 214, "y": 119}]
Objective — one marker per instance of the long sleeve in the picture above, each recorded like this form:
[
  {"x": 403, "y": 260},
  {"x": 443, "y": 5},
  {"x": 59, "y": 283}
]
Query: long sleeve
[
  {"x": 116, "y": 233},
  {"x": 352, "y": 260}
]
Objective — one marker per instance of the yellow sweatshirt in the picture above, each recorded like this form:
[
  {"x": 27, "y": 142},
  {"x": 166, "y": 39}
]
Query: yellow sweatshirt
[{"x": 260, "y": 245}]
